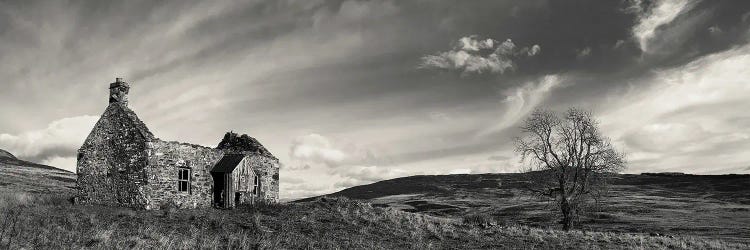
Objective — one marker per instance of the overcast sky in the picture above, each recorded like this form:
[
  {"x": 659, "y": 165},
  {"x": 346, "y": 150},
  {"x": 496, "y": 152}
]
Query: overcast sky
[{"x": 350, "y": 92}]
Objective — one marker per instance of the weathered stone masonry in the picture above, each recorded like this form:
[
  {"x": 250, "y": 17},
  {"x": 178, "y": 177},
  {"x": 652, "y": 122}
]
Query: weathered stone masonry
[
  {"x": 112, "y": 161},
  {"x": 164, "y": 160},
  {"x": 121, "y": 163}
]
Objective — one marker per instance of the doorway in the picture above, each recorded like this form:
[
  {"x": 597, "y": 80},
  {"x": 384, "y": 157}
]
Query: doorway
[
  {"x": 218, "y": 189},
  {"x": 224, "y": 184}
]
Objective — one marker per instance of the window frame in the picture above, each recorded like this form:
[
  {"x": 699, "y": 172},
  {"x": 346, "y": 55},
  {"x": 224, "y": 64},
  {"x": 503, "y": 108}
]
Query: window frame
[
  {"x": 183, "y": 180},
  {"x": 256, "y": 184}
]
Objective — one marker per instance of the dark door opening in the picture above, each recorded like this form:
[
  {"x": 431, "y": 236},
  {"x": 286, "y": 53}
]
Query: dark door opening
[
  {"x": 218, "y": 189},
  {"x": 237, "y": 196},
  {"x": 224, "y": 183}
]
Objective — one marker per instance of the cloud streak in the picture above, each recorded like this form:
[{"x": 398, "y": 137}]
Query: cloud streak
[
  {"x": 474, "y": 55},
  {"x": 662, "y": 13},
  {"x": 520, "y": 101}
]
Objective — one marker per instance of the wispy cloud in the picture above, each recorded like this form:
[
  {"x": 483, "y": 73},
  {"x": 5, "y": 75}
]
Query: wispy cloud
[
  {"x": 520, "y": 101},
  {"x": 534, "y": 50},
  {"x": 474, "y": 55},
  {"x": 583, "y": 53},
  {"x": 649, "y": 21}
]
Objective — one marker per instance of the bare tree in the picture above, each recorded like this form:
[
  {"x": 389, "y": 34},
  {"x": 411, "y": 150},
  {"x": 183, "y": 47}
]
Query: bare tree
[{"x": 569, "y": 160}]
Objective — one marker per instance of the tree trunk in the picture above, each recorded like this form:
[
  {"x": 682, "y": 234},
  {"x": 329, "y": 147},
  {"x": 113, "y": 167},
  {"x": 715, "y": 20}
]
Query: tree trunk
[{"x": 567, "y": 214}]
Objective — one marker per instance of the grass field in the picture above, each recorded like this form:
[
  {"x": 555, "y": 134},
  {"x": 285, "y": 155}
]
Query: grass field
[
  {"x": 676, "y": 205},
  {"x": 465, "y": 211},
  {"x": 30, "y": 221}
]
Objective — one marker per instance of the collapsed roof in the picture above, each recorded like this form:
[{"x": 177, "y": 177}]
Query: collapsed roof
[{"x": 242, "y": 143}]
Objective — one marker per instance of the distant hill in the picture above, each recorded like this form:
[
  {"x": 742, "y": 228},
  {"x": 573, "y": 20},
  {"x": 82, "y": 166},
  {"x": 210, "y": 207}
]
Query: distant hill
[
  {"x": 672, "y": 204},
  {"x": 20, "y": 175},
  {"x": 6, "y": 154}
]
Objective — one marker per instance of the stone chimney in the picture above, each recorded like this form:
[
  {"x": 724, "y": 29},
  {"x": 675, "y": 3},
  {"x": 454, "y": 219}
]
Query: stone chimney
[{"x": 118, "y": 92}]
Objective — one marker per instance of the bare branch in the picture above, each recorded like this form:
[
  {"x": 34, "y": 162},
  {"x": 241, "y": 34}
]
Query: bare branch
[{"x": 570, "y": 156}]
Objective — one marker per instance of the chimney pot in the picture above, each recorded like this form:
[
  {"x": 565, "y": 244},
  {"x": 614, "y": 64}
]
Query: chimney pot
[{"x": 118, "y": 91}]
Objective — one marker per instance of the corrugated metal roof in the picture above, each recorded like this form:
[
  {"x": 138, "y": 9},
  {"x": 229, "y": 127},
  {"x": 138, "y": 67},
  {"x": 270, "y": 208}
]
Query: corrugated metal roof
[{"x": 228, "y": 163}]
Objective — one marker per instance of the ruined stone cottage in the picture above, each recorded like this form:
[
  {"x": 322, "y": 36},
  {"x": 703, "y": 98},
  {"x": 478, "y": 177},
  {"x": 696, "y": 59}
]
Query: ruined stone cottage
[{"x": 122, "y": 163}]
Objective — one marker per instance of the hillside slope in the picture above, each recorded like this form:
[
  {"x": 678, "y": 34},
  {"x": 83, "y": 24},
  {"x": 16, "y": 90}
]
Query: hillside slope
[
  {"x": 701, "y": 205},
  {"x": 20, "y": 175},
  {"x": 6, "y": 154}
]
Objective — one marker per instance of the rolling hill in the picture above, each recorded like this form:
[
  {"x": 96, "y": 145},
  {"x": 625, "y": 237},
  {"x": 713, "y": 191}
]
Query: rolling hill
[
  {"x": 20, "y": 175},
  {"x": 713, "y": 206},
  {"x": 6, "y": 154}
]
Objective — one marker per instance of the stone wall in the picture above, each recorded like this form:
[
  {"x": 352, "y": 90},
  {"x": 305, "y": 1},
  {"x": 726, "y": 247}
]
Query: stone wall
[
  {"x": 112, "y": 160},
  {"x": 165, "y": 158},
  {"x": 267, "y": 169},
  {"x": 263, "y": 166}
]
